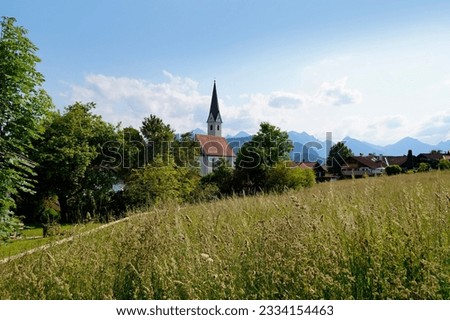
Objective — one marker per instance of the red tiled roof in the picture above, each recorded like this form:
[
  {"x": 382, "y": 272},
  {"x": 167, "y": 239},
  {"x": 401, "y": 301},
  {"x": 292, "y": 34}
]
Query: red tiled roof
[{"x": 214, "y": 146}]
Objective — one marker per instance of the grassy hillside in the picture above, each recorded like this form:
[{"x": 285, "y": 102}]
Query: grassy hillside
[{"x": 375, "y": 238}]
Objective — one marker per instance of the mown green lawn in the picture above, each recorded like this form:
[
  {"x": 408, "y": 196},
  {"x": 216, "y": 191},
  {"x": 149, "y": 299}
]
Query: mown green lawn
[{"x": 32, "y": 238}]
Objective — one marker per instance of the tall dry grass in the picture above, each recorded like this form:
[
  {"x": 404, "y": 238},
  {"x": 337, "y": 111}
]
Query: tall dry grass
[{"x": 378, "y": 238}]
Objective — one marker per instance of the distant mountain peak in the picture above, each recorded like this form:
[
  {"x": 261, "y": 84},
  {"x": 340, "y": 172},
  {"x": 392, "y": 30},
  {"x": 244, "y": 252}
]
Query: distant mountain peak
[
  {"x": 302, "y": 137},
  {"x": 409, "y": 139},
  {"x": 198, "y": 131},
  {"x": 241, "y": 134}
]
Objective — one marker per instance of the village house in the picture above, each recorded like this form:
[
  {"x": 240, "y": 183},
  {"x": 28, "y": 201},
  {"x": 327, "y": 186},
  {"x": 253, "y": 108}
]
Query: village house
[
  {"x": 320, "y": 170},
  {"x": 433, "y": 158},
  {"x": 358, "y": 166},
  {"x": 213, "y": 146}
]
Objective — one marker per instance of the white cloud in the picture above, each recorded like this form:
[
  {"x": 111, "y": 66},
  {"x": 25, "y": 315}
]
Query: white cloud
[
  {"x": 337, "y": 94},
  {"x": 435, "y": 127},
  {"x": 178, "y": 102},
  {"x": 285, "y": 100},
  {"x": 121, "y": 99},
  {"x": 378, "y": 130}
]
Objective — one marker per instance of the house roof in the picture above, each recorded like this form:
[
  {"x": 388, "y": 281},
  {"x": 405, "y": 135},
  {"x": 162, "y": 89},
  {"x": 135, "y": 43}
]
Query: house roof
[
  {"x": 214, "y": 108},
  {"x": 214, "y": 146},
  {"x": 398, "y": 160},
  {"x": 316, "y": 166},
  {"x": 309, "y": 165},
  {"x": 372, "y": 162},
  {"x": 432, "y": 156}
]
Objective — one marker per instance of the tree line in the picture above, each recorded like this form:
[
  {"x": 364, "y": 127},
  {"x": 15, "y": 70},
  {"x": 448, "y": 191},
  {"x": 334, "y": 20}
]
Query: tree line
[{"x": 71, "y": 166}]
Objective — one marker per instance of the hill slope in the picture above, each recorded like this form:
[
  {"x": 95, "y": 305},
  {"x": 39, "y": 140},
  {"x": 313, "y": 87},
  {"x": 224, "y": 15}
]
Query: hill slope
[{"x": 360, "y": 239}]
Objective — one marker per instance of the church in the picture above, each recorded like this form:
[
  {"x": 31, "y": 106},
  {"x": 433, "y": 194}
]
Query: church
[{"x": 213, "y": 146}]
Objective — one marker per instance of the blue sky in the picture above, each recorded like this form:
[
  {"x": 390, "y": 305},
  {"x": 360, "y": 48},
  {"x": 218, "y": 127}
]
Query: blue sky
[{"x": 375, "y": 70}]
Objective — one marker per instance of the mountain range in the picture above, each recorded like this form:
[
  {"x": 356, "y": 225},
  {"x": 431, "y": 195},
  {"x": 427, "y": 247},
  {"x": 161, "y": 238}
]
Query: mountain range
[{"x": 309, "y": 148}]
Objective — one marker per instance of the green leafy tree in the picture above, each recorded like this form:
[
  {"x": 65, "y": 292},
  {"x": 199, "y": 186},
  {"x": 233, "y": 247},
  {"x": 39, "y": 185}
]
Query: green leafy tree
[
  {"x": 337, "y": 156},
  {"x": 23, "y": 106},
  {"x": 131, "y": 152},
  {"x": 409, "y": 160},
  {"x": 268, "y": 147},
  {"x": 186, "y": 151},
  {"x": 158, "y": 181},
  {"x": 158, "y": 136},
  {"x": 76, "y": 163},
  {"x": 274, "y": 144}
]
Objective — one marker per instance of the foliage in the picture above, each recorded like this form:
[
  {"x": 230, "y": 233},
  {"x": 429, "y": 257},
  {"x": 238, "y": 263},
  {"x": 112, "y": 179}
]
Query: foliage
[
  {"x": 23, "y": 104},
  {"x": 409, "y": 160},
  {"x": 158, "y": 136},
  {"x": 186, "y": 151},
  {"x": 73, "y": 163},
  {"x": 159, "y": 181},
  {"x": 131, "y": 151},
  {"x": 268, "y": 147},
  {"x": 331, "y": 241},
  {"x": 274, "y": 144},
  {"x": 281, "y": 177},
  {"x": 444, "y": 164},
  {"x": 339, "y": 152},
  {"x": 393, "y": 169},
  {"x": 222, "y": 177},
  {"x": 423, "y": 167}
]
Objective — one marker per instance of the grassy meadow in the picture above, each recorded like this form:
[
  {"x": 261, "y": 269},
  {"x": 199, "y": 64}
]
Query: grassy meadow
[{"x": 376, "y": 238}]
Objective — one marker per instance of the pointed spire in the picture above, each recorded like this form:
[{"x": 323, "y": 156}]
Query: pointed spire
[{"x": 214, "y": 109}]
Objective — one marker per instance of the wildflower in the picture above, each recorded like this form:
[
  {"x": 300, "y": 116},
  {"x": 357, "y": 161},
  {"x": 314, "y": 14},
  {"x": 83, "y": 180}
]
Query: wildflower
[{"x": 206, "y": 257}]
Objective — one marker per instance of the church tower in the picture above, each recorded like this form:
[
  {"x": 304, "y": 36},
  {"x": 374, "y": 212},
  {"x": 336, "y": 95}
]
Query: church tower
[{"x": 214, "y": 118}]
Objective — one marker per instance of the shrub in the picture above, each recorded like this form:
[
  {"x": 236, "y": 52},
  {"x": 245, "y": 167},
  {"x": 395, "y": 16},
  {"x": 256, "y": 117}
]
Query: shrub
[
  {"x": 444, "y": 164},
  {"x": 160, "y": 181},
  {"x": 282, "y": 177},
  {"x": 393, "y": 169},
  {"x": 423, "y": 167},
  {"x": 221, "y": 177}
]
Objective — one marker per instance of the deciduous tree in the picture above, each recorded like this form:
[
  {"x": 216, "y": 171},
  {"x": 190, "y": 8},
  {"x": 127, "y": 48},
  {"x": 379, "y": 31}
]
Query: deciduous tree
[
  {"x": 268, "y": 147},
  {"x": 337, "y": 156},
  {"x": 23, "y": 106},
  {"x": 158, "y": 136},
  {"x": 74, "y": 163}
]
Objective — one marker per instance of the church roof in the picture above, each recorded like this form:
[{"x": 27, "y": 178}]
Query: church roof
[
  {"x": 214, "y": 108},
  {"x": 214, "y": 146}
]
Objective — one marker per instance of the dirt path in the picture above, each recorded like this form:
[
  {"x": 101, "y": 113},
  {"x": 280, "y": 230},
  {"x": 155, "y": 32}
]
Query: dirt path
[{"x": 56, "y": 243}]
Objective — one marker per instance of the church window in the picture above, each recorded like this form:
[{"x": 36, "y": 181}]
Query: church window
[
  {"x": 211, "y": 127},
  {"x": 218, "y": 127}
]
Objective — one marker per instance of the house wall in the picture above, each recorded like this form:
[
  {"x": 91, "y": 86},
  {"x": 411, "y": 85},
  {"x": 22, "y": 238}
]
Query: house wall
[{"x": 207, "y": 163}]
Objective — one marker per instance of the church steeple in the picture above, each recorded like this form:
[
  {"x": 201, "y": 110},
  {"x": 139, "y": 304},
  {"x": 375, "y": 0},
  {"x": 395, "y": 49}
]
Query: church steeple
[{"x": 214, "y": 118}]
